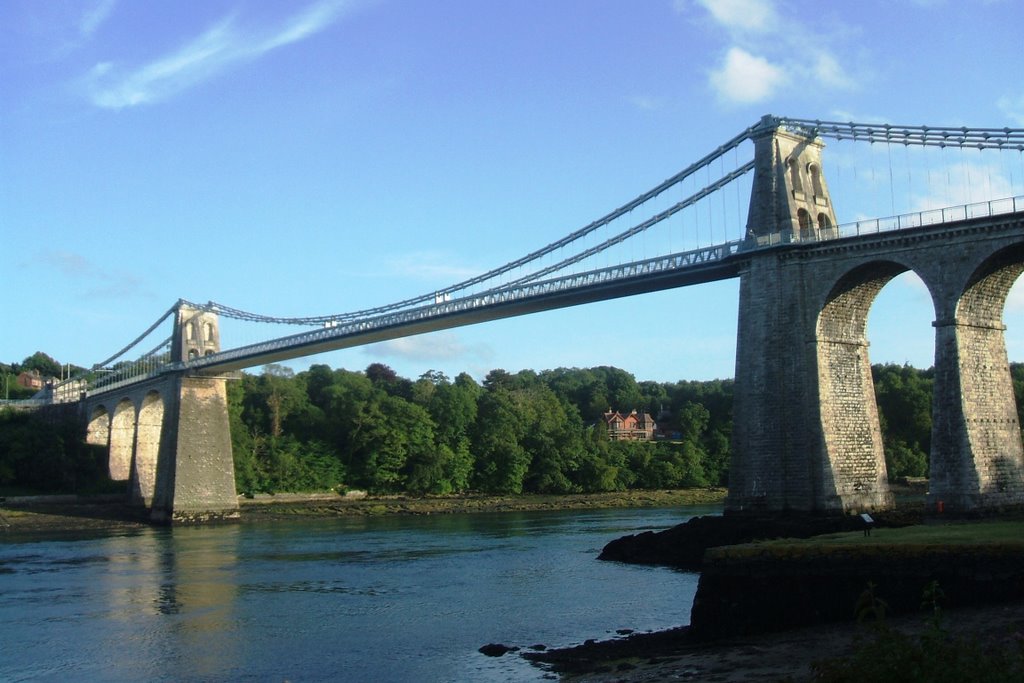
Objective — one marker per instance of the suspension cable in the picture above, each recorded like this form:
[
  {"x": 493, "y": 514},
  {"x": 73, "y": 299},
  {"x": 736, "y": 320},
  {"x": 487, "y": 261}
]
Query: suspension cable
[
  {"x": 142, "y": 336},
  {"x": 511, "y": 265},
  {"x": 940, "y": 136}
]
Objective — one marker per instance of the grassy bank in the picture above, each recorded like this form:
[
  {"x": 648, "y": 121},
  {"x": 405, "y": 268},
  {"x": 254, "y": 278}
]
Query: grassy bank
[{"x": 953, "y": 537}]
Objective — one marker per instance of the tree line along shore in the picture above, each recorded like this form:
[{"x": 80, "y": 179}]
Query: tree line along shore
[{"x": 530, "y": 432}]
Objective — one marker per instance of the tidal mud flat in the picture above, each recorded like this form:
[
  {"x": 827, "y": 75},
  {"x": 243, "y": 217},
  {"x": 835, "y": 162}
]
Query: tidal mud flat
[{"x": 54, "y": 514}]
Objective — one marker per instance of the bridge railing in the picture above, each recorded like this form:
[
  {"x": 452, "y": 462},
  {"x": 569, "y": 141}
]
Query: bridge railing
[{"x": 918, "y": 219}]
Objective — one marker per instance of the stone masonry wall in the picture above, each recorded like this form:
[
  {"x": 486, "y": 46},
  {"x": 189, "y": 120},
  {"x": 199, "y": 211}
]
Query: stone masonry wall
[{"x": 806, "y": 433}]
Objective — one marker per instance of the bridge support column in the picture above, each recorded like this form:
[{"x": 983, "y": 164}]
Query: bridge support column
[
  {"x": 805, "y": 430},
  {"x": 806, "y": 436},
  {"x": 195, "y": 478},
  {"x": 977, "y": 460}
]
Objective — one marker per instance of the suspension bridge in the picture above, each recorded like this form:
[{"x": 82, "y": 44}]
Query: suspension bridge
[{"x": 757, "y": 208}]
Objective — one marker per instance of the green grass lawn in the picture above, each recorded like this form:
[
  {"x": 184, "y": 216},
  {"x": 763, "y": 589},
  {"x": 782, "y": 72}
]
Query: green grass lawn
[
  {"x": 953, "y": 533},
  {"x": 1006, "y": 535}
]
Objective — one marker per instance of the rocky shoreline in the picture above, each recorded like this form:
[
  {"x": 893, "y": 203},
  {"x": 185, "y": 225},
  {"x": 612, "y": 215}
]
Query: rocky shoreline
[
  {"x": 792, "y": 655},
  {"x": 61, "y": 514},
  {"x": 774, "y": 614}
]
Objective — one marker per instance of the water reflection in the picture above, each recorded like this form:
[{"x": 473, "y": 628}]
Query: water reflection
[
  {"x": 198, "y": 592},
  {"x": 383, "y": 599}
]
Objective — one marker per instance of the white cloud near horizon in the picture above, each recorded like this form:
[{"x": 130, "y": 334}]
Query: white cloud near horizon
[
  {"x": 211, "y": 53},
  {"x": 438, "y": 346}
]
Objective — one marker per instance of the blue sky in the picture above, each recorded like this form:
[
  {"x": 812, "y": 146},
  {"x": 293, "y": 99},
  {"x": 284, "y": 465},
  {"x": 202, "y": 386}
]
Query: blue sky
[{"x": 315, "y": 157}]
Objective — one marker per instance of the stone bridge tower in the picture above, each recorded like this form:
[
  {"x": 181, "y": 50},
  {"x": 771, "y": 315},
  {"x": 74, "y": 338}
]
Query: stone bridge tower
[
  {"x": 195, "y": 476},
  {"x": 790, "y": 200},
  {"x": 196, "y": 333},
  {"x": 806, "y": 435}
]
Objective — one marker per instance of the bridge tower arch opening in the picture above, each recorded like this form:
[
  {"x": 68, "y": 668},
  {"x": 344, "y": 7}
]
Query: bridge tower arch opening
[
  {"x": 122, "y": 440},
  {"x": 852, "y": 441},
  {"x": 977, "y": 459},
  {"x": 147, "y": 448}
]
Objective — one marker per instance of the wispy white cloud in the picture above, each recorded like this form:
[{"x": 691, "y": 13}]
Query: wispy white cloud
[
  {"x": 767, "y": 51},
  {"x": 646, "y": 102},
  {"x": 91, "y": 280},
  {"x": 749, "y": 16},
  {"x": 429, "y": 347},
  {"x": 429, "y": 265},
  {"x": 94, "y": 17},
  {"x": 1012, "y": 107},
  {"x": 219, "y": 48}
]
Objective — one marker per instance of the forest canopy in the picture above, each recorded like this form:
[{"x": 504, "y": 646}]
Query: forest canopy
[{"x": 527, "y": 432}]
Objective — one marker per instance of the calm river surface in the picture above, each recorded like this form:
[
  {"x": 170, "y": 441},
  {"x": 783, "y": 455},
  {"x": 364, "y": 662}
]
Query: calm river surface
[{"x": 353, "y": 599}]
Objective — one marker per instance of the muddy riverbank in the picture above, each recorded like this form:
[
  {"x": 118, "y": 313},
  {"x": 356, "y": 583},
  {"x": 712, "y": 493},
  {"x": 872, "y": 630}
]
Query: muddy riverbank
[{"x": 57, "y": 514}]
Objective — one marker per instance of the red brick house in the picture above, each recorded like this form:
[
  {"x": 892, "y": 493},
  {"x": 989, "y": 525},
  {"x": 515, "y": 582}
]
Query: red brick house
[
  {"x": 629, "y": 427},
  {"x": 30, "y": 380}
]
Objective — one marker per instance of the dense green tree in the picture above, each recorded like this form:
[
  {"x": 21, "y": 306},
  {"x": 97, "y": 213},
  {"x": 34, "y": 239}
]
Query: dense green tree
[
  {"x": 453, "y": 408},
  {"x": 41, "y": 454},
  {"x": 501, "y": 461},
  {"x": 523, "y": 432},
  {"x": 904, "y": 396},
  {"x": 43, "y": 364}
]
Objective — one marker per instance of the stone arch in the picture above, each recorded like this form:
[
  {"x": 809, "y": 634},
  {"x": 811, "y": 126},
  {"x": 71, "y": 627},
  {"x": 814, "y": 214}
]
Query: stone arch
[
  {"x": 122, "y": 440},
  {"x": 97, "y": 432},
  {"x": 850, "y": 427},
  {"x": 824, "y": 223},
  {"x": 977, "y": 458},
  {"x": 147, "y": 447},
  {"x": 804, "y": 221},
  {"x": 984, "y": 297}
]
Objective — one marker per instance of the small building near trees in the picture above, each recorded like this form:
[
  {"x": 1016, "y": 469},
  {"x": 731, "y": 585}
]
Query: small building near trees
[{"x": 633, "y": 426}]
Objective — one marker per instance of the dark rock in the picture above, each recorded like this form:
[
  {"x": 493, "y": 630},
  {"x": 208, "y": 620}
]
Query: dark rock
[
  {"x": 683, "y": 545},
  {"x": 496, "y": 649}
]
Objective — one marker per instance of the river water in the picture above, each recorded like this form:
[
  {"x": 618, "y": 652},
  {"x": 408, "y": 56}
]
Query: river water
[{"x": 352, "y": 599}]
